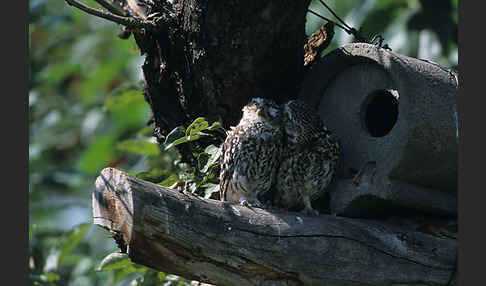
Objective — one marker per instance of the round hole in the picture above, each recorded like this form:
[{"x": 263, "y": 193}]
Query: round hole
[{"x": 381, "y": 113}]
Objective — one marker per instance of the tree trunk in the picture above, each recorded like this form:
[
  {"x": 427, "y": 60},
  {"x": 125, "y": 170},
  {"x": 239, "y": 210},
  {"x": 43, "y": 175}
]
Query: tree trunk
[
  {"x": 226, "y": 244},
  {"x": 216, "y": 55}
]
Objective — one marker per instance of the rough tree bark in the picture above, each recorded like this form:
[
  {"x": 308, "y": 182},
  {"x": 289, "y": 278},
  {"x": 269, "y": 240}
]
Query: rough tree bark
[
  {"x": 216, "y": 55},
  {"x": 226, "y": 244}
]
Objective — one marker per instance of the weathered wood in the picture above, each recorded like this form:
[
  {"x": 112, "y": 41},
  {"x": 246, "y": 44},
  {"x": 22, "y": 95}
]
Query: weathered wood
[{"x": 226, "y": 244}]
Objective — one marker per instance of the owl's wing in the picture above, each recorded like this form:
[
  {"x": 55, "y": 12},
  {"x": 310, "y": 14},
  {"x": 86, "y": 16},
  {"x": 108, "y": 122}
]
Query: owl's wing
[
  {"x": 228, "y": 160},
  {"x": 226, "y": 169},
  {"x": 306, "y": 119}
]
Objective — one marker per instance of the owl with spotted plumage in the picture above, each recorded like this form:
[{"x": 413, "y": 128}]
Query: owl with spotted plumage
[
  {"x": 251, "y": 152},
  {"x": 308, "y": 161}
]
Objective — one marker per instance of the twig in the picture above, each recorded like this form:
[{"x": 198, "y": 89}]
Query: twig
[
  {"x": 350, "y": 30},
  {"x": 329, "y": 20},
  {"x": 335, "y": 15},
  {"x": 109, "y": 7},
  {"x": 129, "y": 22}
]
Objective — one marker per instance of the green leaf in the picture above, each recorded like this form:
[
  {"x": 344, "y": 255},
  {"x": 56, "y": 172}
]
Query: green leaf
[
  {"x": 162, "y": 276},
  {"x": 129, "y": 271},
  {"x": 98, "y": 154},
  {"x": 210, "y": 188},
  {"x": 95, "y": 84},
  {"x": 175, "y": 134},
  {"x": 146, "y": 131},
  {"x": 215, "y": 154},
  {"x": 192, "y": 133},
  {"x": 127, "y": 108},
  {"x": 193, "y": 188},
  {"x": 55, "y": 73},
  {"x": 187, "y": 176},
  {"x": 439, "y": 18},
  {"x": 114, "y": 261},
  {"x": 176, "y": 142},
  {"x": 214, "y": 125},
  {"x": 139, "y": 147},
  {"x": 196, "y": 126},
  {"x": 32, "y": 228},
  {"x": 51, "y": 276},
  {"x": 383, "y": 14},
  {"x": 192, "y": 137},
  {"x": 202, "y": 159},
  {"x": 72, "y": 240},
  {"x": 45, "y": 277},
  {"x": 172, "y": 179},
  {"x": 118, "y": 100},
  {"x": 151, "y": 278},
  {"x": 155, "y": 175}
]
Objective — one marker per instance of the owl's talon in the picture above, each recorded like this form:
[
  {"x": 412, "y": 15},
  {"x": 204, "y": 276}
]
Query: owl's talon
[
  {"x": 257, "y": 203},
  {"x": 254, "y": 203},
  {"x": 245, "y": 203}
]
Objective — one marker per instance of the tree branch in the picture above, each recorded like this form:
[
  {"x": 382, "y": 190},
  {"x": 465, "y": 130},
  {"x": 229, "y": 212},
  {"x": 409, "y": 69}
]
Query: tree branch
[
  {"x": 109, "y": 7},
  {"x": 127, "y": 21},
  {"x": 226, "y": 244}
]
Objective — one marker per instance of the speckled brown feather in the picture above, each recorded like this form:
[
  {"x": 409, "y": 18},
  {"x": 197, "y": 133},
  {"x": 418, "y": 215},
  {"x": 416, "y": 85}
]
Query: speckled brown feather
[
  {"x": 309, "y": 159},
  {"x": 250, "y": 155}
]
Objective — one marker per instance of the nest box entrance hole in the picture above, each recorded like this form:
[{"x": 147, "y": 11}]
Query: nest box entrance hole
[{"x": 380, "y": 112}]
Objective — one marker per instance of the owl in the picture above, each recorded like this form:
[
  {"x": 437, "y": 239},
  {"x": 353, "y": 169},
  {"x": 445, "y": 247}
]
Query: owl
[
  {"x": 308, "y": 160},
  {"x": 251, "y": 152}
]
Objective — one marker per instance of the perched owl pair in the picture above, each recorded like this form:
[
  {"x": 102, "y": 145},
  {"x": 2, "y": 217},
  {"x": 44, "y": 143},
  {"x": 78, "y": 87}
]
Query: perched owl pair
[{"x": 287, "y": 148}]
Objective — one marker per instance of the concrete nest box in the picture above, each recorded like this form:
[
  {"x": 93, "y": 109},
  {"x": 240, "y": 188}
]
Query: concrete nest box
[{"x": 396, "y": 120}]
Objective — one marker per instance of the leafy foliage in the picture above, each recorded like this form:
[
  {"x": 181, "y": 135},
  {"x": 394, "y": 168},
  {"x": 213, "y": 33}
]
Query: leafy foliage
[
  {"x": 192, "y": 133},
  {"x": 114, "y": 261},
  {"x": 202, "y": 179},
  {"x": 382, "y": 15},
  {"x": 87, "y": 112},
  {"x": 417, "y": 28}
]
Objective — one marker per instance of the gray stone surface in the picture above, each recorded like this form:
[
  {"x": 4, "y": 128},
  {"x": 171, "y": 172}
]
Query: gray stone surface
[{"x": 413, "y": 164}]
